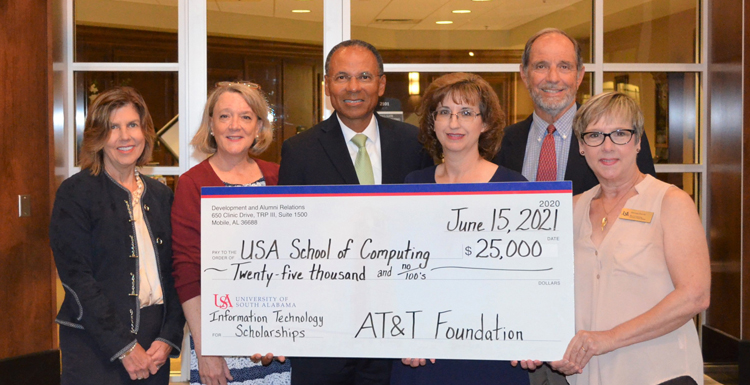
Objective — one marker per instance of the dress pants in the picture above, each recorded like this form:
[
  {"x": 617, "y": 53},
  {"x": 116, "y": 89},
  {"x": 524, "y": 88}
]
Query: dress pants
[{"x": 84, "y": 364}]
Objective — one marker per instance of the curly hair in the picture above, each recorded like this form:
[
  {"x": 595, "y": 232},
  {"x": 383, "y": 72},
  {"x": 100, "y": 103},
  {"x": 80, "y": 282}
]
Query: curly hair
[
  {"x": 468, "y": 88},
  {"x": 96, "y": 130}
]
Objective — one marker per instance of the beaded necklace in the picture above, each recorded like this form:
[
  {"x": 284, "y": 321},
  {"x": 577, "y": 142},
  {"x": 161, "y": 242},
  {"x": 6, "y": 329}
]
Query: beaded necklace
[{"x": 139, "y": 191}]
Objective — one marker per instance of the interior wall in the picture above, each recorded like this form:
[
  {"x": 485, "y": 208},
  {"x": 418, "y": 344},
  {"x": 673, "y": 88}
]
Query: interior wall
[
  {"x": 745, "y": 331},
  {"x": 725, "y": 173},
  {"x": 26, "y": 268},
  {"x": 744, "y": 349}
]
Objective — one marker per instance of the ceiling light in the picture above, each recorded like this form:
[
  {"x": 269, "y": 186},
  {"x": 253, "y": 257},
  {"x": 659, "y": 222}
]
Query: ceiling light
[
  {"x": 471, "y": 53},
  {"x": 444, "y": 22},
  {"x": 480, "y": 0},
  {"x": 300, "y": 11},
  {"x": 461, "y": 11}
]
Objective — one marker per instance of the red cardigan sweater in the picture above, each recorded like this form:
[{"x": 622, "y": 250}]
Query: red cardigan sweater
[{"x": 186, "y": 223}]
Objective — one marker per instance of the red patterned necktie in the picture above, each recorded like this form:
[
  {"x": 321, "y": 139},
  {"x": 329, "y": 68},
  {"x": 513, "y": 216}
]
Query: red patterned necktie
[{"x": 547, "y": 170}]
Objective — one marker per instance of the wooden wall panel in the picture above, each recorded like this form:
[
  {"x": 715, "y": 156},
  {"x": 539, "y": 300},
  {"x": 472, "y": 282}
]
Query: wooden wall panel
[
  {"x": 725, "y": 167},
  {"x": 743, "y": 359},
  {"x": 745, "y": 334},
  {"x": 26, "y": 269}
]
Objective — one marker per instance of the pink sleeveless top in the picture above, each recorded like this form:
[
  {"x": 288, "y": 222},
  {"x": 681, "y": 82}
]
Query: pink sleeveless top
[{"x": 624, "y": 277}]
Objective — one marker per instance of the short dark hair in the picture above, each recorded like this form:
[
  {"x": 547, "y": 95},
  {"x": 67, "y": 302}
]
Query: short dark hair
[
  {"x": 355, "y": 43},
  {"x": 97, "y": 128},
  {"x": 462, "y": 87},
  {"x": 547, "y": 31}
]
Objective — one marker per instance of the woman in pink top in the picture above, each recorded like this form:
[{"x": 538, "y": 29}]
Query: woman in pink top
[{"x": 641, "y": 262}]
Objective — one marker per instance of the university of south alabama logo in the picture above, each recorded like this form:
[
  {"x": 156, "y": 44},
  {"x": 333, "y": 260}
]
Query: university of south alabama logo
[{"x": 222, "y": 302}]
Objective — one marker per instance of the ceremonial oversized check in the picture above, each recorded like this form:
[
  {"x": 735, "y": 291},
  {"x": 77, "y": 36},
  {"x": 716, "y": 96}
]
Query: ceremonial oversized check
[{"x": 469, "y": 271}]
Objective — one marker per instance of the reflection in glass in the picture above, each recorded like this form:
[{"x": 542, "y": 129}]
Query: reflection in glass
[
  {"x": 267, "y": 43},
  {"x": 159, "y": 90},
  {"x": 169, "y": 137},
  {"x": 432, "y": 31},
  {"x": 114, "y": 31},
  {"x": 651, "y": 31},
  {"x": 514, "y": 99},
  {"x": 669, "y": 101}
]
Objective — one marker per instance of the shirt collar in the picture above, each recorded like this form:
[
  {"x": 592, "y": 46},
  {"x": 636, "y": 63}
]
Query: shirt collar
[
  {"x": 563, "y": 126},
  {"x": 371, "y": 131}
]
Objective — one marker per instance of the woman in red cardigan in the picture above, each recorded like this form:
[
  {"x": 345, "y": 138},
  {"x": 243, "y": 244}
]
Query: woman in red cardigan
[{"x": 235, "y": 126}]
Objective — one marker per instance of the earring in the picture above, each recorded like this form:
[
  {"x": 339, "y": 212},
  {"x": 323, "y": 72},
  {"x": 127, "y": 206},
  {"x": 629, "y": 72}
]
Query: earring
[
  {"x": 638, "y": 151},
  {"x": 581, "y": 152}
]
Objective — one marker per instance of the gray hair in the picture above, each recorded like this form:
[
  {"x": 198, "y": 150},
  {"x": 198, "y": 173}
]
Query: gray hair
[
  {"x": 355, "y": 43},
  {"x": 546, "y": 31}
]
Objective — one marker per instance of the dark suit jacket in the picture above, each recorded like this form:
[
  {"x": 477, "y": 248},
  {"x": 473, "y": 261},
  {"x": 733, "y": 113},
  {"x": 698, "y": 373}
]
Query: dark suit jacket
[
  {"x": 319, "y": 156},
  {"x": 513, "y": 151},
  {"x": 92, "y": 240}
]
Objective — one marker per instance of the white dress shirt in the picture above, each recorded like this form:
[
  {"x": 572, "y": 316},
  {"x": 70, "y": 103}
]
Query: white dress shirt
[{"x": 372, "y": 145}]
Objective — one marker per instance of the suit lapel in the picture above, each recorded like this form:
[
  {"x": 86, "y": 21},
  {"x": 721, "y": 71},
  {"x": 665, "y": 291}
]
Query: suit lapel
[
  {"x": 389, "y": 153},
  {"x": 519, "y": 148},
  {"x": 578, "y": 171},
  {"x": 334, "y": 145},
  {"x": 574, "y": 160}
]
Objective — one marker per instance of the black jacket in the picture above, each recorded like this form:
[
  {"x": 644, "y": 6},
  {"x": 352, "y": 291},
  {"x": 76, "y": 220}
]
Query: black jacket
[
  {"x": 319, "y": 156},
  {"x": 95, "y": 250},
  {"x": 513, "y": 151}
]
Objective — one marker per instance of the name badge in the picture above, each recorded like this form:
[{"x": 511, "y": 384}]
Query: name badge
[{"x": 636, "y": 215}]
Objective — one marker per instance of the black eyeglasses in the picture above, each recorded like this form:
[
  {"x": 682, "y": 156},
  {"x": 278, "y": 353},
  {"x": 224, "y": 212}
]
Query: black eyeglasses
[{"x": 595, "y": 138}]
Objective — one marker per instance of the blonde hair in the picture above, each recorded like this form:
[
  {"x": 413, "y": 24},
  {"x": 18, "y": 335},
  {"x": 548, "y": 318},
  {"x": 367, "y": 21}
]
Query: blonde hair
[
  {"x": 203, "y": 140},
  {"x": 96, "y": 131},
  {"x": 605, "y": 107}
]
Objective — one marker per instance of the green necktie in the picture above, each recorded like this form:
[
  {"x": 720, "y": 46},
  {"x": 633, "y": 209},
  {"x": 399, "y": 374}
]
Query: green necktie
[{"x": 362, "y": 164}]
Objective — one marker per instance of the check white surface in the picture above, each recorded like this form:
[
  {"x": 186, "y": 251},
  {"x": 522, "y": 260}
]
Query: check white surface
[{"x": 469, "y": 275}]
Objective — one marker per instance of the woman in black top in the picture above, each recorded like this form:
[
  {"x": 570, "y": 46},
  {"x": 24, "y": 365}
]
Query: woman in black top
[
  {"x": 110, "y": 234},
  {"x": 461, "y": 126}
]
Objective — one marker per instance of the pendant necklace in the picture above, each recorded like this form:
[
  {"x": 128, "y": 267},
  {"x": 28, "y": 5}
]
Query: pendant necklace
[{"x": 606, "y": 212}]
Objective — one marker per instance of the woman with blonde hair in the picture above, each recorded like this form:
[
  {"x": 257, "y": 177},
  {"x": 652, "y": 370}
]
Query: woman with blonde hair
[{"x": 235, "y": 127}]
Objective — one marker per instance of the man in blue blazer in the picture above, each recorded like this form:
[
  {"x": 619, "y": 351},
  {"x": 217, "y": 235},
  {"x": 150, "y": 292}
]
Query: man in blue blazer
[
  {"x": 326, "y": 154},
  {"x": 552, "y": 70}
]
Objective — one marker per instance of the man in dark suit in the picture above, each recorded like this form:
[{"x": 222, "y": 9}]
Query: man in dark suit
[
  {"x": 327, "y": 154},
  {"x": 552, "y": 70}
]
